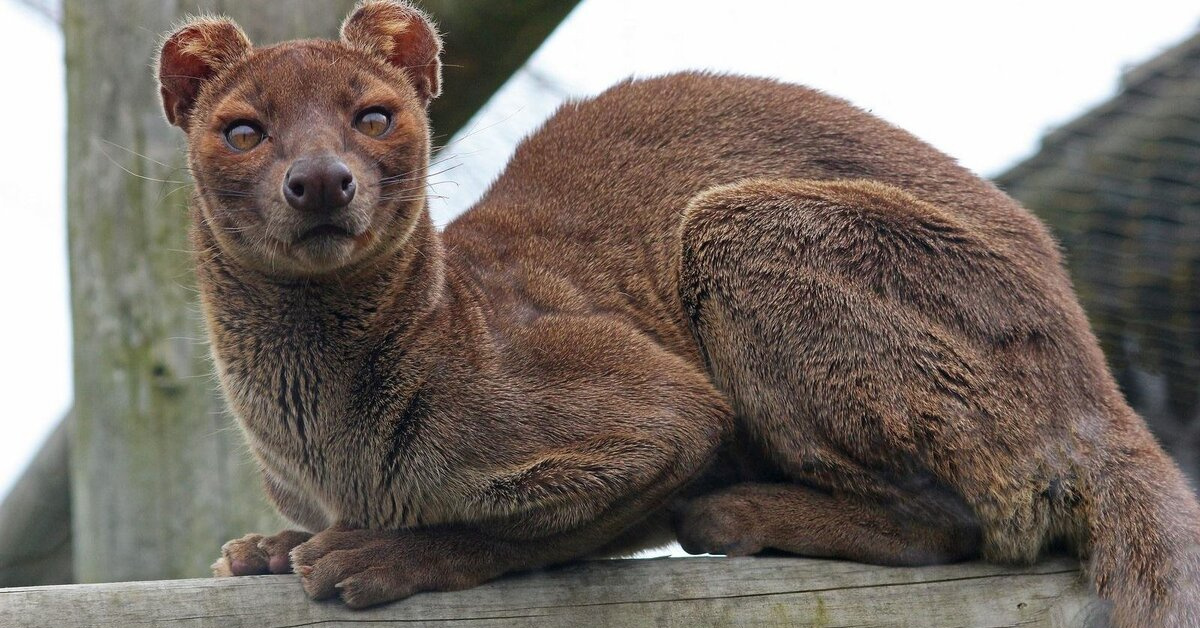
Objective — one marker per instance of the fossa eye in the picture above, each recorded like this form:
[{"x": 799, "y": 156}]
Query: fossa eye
[
  {"x": 244, "y": 135},
  {"x": 373, "y": 122}
]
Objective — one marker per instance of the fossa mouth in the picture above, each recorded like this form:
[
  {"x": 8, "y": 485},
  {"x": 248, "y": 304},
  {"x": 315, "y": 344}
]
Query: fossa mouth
[{"x": 323, "y": 232}]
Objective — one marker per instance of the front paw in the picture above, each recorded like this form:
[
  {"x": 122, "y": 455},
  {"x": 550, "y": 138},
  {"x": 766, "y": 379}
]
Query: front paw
[
  {"x": 360, "y": 565},
  {"x": 370, "y": 567},
  {"x": 255, "y": 554}
]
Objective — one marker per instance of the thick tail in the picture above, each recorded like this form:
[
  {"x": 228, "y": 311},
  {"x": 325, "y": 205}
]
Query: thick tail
[{"x": 1144, "y": 529}]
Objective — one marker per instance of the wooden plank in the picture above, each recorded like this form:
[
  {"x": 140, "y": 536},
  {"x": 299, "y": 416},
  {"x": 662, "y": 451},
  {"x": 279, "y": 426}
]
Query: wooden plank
[{"x": 684, "y": 592}]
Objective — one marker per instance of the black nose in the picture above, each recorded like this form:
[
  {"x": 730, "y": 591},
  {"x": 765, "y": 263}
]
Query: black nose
[{"x": 322, "y": 183}]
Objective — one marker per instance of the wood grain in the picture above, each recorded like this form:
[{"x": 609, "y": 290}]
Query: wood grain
[
  {"x": 759, "y": 591},
  {"x": 35, "y": 520},
  {"x": 159, "y": 473}
]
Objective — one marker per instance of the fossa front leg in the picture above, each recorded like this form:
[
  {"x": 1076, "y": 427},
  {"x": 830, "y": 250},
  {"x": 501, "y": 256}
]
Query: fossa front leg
[
  {"x": 369, "y": 567},
  {"x": 564, "y": 505}
]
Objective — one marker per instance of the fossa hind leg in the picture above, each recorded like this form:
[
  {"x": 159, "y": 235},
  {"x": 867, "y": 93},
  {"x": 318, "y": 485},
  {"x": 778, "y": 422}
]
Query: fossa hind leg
[
  {"x": 826, "y": 312},
  {"x": 751, "y": 517}
]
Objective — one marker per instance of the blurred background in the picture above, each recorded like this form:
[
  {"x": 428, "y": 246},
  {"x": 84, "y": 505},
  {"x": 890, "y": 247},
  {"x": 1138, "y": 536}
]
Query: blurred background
[{"x": 1087, "y": 113}]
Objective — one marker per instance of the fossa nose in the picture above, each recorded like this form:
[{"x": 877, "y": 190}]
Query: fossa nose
[{"x": 319, "y": 184}]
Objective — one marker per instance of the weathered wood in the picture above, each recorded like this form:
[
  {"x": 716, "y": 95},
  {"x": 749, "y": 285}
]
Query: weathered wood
[
  {"x": 35, "y": 520},
  {"x": 660, "y": 592},
  {"x": 159, "y": 475},
  {"x": 159, "y": 479},
  {"x": 485, "y": 42}
]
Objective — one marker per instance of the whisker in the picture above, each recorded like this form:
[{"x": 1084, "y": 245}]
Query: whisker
[
  {"x": 134, "y": 152},
  {"x": 132, "y": 173},
  {"x": 473, "y": 132}
]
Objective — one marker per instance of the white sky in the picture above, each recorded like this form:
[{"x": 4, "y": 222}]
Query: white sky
[
  {"x": 981, "y": 81},
  {"x": 35, "y": 331}
]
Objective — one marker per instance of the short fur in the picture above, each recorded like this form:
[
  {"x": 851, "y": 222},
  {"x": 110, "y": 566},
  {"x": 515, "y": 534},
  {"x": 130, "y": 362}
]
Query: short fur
[{"x": 727, "y": 309}]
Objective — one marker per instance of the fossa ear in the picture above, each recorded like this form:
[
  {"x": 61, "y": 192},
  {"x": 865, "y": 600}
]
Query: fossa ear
[
  {"x": 403, "y": 36},
  {"x": 191, "y": 56}
]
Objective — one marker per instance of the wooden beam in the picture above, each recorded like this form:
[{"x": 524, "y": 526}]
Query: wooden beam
[
  {"x": 35, "y": 520},
  {"x": 159, "y": 473},
  {"x": 761, "y": 591},
  {"x": 485, "y": 43}
]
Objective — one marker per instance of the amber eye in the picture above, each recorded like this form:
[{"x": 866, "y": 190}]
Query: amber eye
[
  {"x": 244, "y": 135},
  {"x": 373, "y": 122}
]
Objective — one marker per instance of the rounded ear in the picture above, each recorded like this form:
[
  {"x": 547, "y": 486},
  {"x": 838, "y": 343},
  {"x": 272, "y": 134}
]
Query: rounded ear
[
  {"x": 192, "y": 55},
  {"x": 403, "y": 36}
]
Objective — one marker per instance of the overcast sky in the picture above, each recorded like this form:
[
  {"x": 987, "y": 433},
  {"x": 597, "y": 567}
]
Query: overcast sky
[{"x": 980, "y": 80}]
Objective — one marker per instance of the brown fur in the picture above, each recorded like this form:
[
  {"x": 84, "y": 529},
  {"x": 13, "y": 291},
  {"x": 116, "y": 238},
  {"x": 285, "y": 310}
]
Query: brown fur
[{"x": 729, "y": 307}]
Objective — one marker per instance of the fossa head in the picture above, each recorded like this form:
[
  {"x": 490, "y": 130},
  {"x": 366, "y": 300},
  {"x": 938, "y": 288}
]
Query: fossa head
[{"x": 309, "y": 156}]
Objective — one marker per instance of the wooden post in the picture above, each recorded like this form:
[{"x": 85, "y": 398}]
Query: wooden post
[
  {"x": 694, "y": 592},
  {"x": 35, "y": 520},
  {"x": 159, "y": 474}
]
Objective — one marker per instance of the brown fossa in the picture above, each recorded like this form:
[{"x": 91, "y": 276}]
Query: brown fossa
[{"x": 727, "y": 310}]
